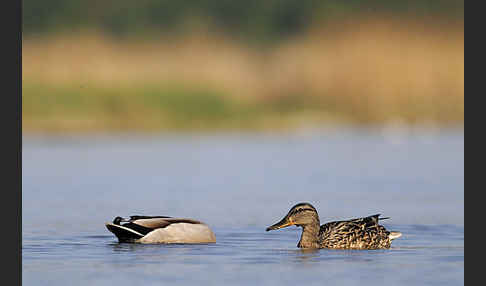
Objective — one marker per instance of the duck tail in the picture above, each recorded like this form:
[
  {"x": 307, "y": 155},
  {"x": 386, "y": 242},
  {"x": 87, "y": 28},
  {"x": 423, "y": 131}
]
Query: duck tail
[
  {"x": 124, "y": 234},
  {"x": 394, "y": 234}
]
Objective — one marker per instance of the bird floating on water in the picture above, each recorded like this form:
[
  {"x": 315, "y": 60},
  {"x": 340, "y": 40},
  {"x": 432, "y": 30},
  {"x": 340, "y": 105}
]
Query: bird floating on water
[
  {"x": 359, "y": 233},
  {"x": 160, "y": 229}
]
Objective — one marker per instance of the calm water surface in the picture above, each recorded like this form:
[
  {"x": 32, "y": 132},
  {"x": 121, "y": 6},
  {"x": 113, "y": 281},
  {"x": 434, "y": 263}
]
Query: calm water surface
[{"x": 239, "y": 184}]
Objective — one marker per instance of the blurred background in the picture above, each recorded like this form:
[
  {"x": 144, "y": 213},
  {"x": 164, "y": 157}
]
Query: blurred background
[{"x": 148, "y": 65}]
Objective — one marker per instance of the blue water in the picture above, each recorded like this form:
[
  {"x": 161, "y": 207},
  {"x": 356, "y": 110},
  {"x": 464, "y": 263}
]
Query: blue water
[{"x": 239, "y": 184}]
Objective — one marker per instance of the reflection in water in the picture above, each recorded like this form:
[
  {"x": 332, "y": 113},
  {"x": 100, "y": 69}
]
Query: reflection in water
[
  {"x": 122, "y": 247},
  {"x": 306, "y": 256}
]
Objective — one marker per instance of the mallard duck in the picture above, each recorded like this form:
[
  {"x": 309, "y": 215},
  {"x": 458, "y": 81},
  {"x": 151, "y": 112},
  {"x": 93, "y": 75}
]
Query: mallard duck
[
  {"x": 160, "y": 229},
  {"x": 358, "y": 233}
]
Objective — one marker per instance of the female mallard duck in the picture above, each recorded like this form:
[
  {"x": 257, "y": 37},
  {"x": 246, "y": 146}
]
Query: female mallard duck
[
  {"x": 359, "y": 233},
  {"x": 160, "y": 229}
]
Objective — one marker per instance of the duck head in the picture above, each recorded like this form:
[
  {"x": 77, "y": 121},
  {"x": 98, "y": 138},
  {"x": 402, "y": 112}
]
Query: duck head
[{"x": 299, "y": 215}]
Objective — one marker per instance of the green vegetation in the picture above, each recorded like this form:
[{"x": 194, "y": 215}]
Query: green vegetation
[
  {"x": 169, "y": 107},
  {"x": 260, "y": 20},
  {"x": 77, "y": 108}
]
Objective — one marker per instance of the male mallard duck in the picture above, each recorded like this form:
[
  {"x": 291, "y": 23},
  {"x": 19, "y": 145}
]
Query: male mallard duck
[
  {"x": 359, "y": 233},
  {"x": 160, "y": 229}
]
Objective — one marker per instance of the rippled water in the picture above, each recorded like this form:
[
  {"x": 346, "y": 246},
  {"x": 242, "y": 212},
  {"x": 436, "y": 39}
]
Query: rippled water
[{"x": 239, "y": 184}]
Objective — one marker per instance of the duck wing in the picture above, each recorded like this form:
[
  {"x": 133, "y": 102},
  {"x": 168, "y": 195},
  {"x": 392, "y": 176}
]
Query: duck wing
[
  {"x": 136, "y": 227},
  {"x": 363, "y": 222},
  {"x": 366, "y": 222},
  {"x": 353, "y": 233},
  {"x": 153, "y": 223},
  {"x": 127, "y": 232},
  {"x": 135, "y": 217}
]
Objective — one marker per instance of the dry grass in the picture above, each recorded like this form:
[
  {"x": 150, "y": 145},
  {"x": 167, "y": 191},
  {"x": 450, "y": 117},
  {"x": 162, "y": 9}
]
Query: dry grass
[{"x": 365, "y": 71}]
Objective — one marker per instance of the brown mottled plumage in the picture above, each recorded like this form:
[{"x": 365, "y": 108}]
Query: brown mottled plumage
[{"x": 359, "y": 233}]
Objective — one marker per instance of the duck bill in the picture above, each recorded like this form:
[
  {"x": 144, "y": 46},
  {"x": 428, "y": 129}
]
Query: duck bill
[{"x": 281, "y": 224}]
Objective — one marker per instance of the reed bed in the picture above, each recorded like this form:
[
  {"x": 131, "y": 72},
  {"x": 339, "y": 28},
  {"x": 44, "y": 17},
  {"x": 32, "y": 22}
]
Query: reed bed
[{"x": 359, "y": 72}]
